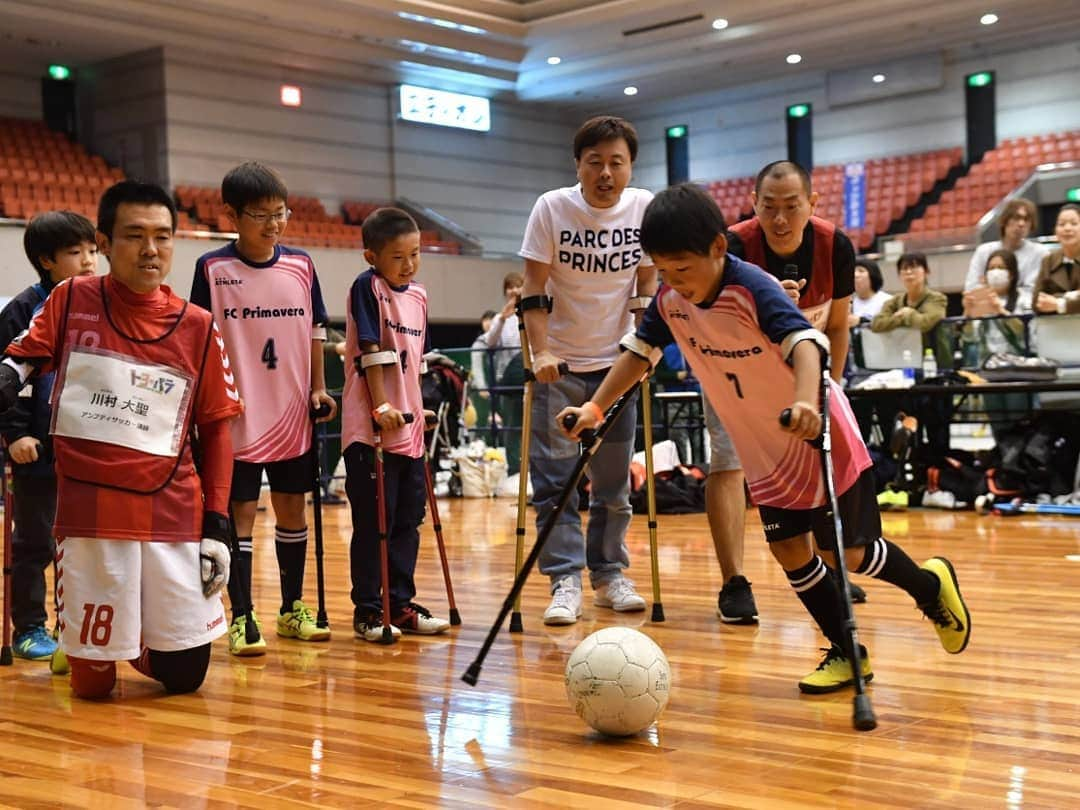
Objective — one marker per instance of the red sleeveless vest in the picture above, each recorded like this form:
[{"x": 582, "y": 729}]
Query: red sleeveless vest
[
  {"x": 816, "y": 297},
  {"x": 181, "y": 348}
]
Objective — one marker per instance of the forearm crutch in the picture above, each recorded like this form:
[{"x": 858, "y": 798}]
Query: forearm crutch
[
  {"x": 433, "y": 508},
  {"x": 650, "y": 497},
  {"x": 6, "y": 658},
  {"x": 384, "y": 548},
  {"x": 590, "y": 441},
  {"x": 863, "y": 718},
  {"x": 516, "y": 625},
  {"x": 321, "y": 619}
]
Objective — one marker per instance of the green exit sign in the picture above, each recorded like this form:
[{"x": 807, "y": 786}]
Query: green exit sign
[
  {"x": 798, "y": 111},
  {"x": 677, "y": 132},
  {"x": 980, "y": 79},
  {"x": 59, "y": 72},
  {"x": 1073, "y": 195}
]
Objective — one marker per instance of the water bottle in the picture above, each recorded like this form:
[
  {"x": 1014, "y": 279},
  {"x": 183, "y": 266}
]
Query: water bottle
[
  {"x": 909, "y": 366},
  {"x": 929, "y": 364}
]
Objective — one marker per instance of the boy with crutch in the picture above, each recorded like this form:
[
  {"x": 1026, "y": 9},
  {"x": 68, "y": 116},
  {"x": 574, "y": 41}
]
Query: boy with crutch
[{"x": 757, "y": 355}]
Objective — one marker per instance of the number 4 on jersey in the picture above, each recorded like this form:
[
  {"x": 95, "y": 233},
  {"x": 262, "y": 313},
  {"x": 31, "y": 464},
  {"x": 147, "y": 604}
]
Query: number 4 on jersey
[{"x": 269, "y": 356}]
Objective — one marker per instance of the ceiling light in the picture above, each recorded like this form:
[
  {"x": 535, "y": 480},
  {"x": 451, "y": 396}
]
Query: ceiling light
[
  {"x": 629, "y": 90},
  {"x": 988, "y": 19},
  {"x": 878, "y": 78},
  {"x": 553, "y": 60},
  {"x": 440, "y": 23},
  {"x": 719, "y": 23},
  {"x": 794, "y": 58},
  {"x": 290, "y": 95}
]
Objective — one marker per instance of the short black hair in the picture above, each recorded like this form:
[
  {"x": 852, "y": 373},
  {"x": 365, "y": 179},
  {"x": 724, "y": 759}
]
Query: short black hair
[
  {"x": 877, "y": 281},
  {"x": 605, "y": 128},
  {"x": 683, "y": 218},
  {"x": 384, "y": 225},
  {"x": 250, "y": 183},
  {"x": 136, "y": 193},
  {"x": 782, "y": 168},
  {"x": 912, "y": 260},
  {"x": 49, "y": 233},
  {"x": 1068, "y": 207}
]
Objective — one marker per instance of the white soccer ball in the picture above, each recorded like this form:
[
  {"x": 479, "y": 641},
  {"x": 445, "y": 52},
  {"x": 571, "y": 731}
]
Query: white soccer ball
[{"x": 618, "y": 681}]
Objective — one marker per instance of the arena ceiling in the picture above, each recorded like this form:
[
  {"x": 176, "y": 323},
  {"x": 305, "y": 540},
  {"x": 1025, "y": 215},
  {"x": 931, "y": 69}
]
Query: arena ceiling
[{"x": 501, "y": 48}]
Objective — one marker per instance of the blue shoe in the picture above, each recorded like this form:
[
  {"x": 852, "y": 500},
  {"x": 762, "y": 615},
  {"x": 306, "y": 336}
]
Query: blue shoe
[{"x": 35, "y": 644}]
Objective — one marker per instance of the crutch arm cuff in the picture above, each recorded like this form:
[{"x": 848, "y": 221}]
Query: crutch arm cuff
[
  {"x": 787, "y": 346},
  {"x": 635, "y": 345},
  {"x": 544, "y": 302},
  {"x": 640, "y": 302},
  {"x": 386, "y": 357},
  {"x": 215, "y": 526}
]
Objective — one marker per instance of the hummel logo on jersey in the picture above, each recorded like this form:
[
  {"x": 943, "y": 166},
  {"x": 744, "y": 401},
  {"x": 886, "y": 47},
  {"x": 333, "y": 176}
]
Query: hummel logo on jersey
[{"x": 678, "y": 313}]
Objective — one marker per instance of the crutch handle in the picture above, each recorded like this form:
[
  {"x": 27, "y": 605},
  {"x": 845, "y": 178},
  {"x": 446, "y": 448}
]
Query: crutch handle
[
  {"x": 321, "y": 411},
  {"x": 785, "y": 420},
  {"x": 430, "y": 419},
  {"x": 586, "y": 436},
  {"x": 564, "y": 369},
  {"x": 407, "y": 416}
]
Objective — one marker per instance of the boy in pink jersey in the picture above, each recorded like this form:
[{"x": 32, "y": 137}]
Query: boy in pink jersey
[
  {"x": 386, "y": 337},
  {"x": 756, "y": 354},
  {"x": 267, "y": 300}
]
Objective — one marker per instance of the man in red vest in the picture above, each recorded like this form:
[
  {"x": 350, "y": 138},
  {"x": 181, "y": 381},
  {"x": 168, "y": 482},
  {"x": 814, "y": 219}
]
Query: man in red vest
[
  {"x": 141, "y": 527},
  {"x": 815, "y": 263}
]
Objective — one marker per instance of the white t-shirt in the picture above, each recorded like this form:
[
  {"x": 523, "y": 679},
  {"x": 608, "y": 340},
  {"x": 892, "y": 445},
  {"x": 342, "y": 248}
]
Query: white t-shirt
[
  {"x": 869, "y": 307},
  {"x": 594, "y": 255},
  {"x": 1028, "y": 259}
]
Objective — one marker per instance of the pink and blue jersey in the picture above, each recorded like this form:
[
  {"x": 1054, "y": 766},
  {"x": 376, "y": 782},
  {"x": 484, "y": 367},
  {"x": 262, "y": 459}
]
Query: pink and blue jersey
[
  {"x": 394, "y": 318},
  {"x": 734, "y": 347},
  {"x": 267, "y": 313}
]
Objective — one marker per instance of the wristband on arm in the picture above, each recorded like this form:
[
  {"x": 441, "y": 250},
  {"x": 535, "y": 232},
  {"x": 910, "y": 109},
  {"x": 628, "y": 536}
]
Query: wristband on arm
[{"x": 593, "y": 409}]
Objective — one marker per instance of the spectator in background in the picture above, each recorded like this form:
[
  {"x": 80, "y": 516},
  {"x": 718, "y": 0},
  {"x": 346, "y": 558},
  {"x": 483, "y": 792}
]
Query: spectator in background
[
  {"x": 918, "y": 306},
  {"x": 998, "y": 294},
  {"x": 503, "y": 340},
  {"x": 1015, "y": 224},
  {"x": 869, "y": 298},
  {"x": 480, "y": 366},
  {"x": 1057, "y": 288}
]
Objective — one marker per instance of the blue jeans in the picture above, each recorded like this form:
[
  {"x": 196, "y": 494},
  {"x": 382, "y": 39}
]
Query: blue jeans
[{"x": 552, "y": 457}]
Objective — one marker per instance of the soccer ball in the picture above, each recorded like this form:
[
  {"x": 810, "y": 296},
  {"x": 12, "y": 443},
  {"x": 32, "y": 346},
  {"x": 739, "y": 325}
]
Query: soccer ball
[{"x": 618, "y": 681}]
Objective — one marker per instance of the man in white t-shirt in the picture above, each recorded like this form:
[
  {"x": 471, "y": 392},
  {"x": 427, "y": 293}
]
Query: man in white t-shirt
[
  {"x": 1016, "y": 223},
  {"x": 583, "y": 264}
]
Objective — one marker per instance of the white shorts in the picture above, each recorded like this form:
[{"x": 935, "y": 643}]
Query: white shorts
[
  {"x": 722, "y": 457},
  {"x": 117, "y": 596}
]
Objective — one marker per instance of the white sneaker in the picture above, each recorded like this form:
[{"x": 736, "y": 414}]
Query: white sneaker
[
  {"x": 619, "y": 595},
  {"x": 940, "y": 499},
  {"x": 565, "y": 607}
]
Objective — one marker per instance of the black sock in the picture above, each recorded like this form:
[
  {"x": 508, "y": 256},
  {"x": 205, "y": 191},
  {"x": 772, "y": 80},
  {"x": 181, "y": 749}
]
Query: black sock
[
  {"x": 819, "y": 594},
  {"x": 291, "y": 547},
  {"x": 240, "y": 579},
  {"x": 887, "y": 561}
]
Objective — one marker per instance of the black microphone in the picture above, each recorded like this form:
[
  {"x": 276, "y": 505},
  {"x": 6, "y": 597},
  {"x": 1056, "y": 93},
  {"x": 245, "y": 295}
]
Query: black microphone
[{"x": 791, "y": 273}]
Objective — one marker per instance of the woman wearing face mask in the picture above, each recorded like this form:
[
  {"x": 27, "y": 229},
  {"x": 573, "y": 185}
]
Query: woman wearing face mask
[
  {"x": 1057, "y": 289},
  {"x": 997, "y": 295}
]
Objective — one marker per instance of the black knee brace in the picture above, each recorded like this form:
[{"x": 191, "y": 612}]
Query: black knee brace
[{"x": 180, "y": 671}]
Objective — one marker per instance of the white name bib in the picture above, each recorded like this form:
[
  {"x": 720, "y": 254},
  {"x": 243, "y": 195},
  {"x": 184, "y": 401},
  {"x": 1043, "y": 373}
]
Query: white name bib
[{"x": 112, "y": 398}]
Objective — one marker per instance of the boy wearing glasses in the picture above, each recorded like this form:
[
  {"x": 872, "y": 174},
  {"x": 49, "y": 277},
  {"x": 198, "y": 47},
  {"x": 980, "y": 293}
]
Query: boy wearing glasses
[{"x": 267, "y": 300}]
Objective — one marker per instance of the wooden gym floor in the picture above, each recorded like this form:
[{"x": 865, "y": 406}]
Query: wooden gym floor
[{"x": 353, "y": 724}]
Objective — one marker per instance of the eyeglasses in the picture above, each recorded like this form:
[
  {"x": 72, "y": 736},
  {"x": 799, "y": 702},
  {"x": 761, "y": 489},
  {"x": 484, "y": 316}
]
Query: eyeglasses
[{"x": 277, "y": 216}]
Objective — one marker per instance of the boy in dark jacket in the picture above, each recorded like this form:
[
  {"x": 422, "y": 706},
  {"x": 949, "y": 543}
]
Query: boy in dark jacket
[{"x": 59, "y": 244}]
